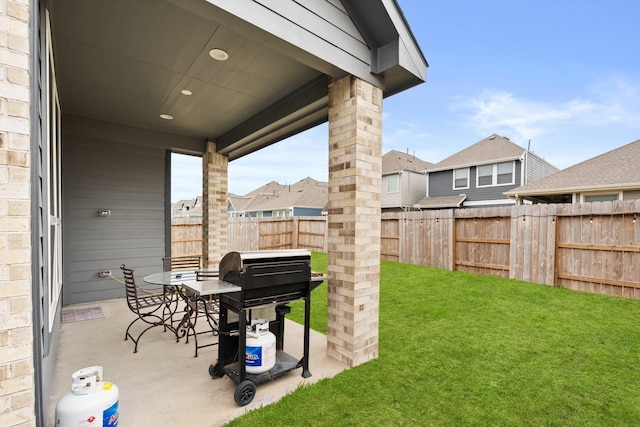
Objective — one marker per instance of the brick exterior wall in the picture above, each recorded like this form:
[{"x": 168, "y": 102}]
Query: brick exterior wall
[
  {"x": 355, "y": 181},
  {"x": 215, "y": 231},
  {"x": 17, "y": 390}
]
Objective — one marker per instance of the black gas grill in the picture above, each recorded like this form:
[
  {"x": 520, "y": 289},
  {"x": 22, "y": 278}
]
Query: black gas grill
[{"x": 271, "y": 279}]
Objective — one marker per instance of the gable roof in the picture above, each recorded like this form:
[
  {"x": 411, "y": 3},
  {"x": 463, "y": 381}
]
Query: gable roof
[
  {"x": 307, "y": 193},
  {"x": 396, "y": 161},
  {"x": 615, "y": 169},
  {"x": 492, "y": 149}
]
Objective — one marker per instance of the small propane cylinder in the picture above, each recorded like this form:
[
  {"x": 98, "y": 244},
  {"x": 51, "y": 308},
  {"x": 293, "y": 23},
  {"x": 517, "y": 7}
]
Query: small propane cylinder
[
  {"x": 261, "y": 347},
  {"x": 91, "y": 401}
]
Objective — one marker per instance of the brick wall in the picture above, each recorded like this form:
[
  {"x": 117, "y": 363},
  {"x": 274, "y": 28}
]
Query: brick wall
[
  {"x": 355, "y": 179},
  {"x": 16, "y": 350},
  {"x": 214, "y": 214}
]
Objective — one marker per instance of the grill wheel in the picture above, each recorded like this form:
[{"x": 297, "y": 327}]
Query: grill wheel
[{"x": 244, "y": 393}]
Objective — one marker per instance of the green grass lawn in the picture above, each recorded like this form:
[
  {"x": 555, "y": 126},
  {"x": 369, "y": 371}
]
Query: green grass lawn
[{"x": 458, "y": 349}]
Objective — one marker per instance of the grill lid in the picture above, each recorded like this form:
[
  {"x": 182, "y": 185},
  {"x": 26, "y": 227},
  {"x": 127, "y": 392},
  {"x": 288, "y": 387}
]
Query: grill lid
[{"x": 234, "y": 261}]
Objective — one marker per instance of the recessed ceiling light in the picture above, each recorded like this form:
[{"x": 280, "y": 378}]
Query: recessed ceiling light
[
  {"x": 166, "y": 116},
  {"x": 218, "y": 54},
  {"x": 186, "y": 92}
]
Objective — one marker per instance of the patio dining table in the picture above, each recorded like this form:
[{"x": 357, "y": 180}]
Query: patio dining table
[{"x": 198, "y": 296}]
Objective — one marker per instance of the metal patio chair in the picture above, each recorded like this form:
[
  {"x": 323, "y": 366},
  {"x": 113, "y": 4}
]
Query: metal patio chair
[
  {"x": 151, "y": 308},
  {"x": 186, "y": 262},
  {"x": 198, "y": 307}
]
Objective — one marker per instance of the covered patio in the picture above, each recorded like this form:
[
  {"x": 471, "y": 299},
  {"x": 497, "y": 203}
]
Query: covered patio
[
  {"x": 163, "y": 384},
  {"x": 115, "y": 87}
]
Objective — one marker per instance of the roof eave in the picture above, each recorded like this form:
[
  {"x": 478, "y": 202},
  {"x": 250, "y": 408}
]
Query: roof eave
[{"x": 468, "y": 165}]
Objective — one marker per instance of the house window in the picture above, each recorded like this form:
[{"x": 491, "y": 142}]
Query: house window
[
  {"x": 52, "y": 191},
  {"x": 495, "y": 174},
  {"x": 609, "y": 197},
  {"x": 461, "y": 178},
  {"x": 393, "y": 183},
  {"x": 505, "y": 173},
  {"x": 485, "y": 175}
]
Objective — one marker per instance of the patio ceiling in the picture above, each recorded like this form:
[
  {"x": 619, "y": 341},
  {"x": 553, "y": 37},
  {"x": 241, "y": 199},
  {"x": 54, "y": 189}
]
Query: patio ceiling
[{"x": 128, "y": 62}]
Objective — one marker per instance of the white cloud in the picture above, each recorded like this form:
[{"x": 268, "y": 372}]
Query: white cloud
[{"x": 612, "y": 101}]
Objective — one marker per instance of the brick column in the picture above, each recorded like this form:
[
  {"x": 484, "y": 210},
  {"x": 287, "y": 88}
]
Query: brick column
[
  {"x": 17, "y": 390},
  {"x": 355, "y": 180},
  {"x": 215, "y": 182}
]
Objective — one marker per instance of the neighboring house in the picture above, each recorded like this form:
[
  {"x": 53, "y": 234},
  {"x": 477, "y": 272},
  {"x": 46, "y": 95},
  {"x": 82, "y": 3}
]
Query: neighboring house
[
  {"x": 187, "y": 208},
  {"x": 480, "y": 174},
  {"x": 306, "y": 197},
  {"x": 404, "y": 180},
  {"x": 614, "y": 175}
]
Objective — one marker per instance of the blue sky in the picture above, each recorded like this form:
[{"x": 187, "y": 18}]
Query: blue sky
[{"x": 563, "y": 74}]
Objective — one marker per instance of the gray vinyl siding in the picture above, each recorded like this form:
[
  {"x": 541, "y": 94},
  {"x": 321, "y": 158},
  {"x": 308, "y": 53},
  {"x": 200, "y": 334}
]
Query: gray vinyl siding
[
  {"x": 412, "y": 187},
  {"x": 536, "y": 168},
  {"x": 393, "y": 199},
  {"x": 122, "y": 169},
  {"x": 441, "y": 184}
]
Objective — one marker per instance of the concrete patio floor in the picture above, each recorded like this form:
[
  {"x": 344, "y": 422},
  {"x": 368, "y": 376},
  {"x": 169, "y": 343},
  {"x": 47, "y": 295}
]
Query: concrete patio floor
[{"x": 164, "y": 384}]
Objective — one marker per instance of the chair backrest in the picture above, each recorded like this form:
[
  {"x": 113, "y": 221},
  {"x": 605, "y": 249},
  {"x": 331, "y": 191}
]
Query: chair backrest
[
  {"x": 131, "y": 288},
  {"x": 187, "y": 262},
  {"x": 206, "y": 274}
]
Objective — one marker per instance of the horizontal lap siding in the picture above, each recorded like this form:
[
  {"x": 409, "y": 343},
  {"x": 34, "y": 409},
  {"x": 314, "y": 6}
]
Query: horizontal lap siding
[
  {"x": 128, "y": 181},
  {"x": 120, "y": 169}
]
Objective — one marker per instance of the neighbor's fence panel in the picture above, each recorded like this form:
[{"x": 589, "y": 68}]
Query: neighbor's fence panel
[
  {"x": 243, "y": 234},
  {"x": 482, "y": 241},
  {"x": 422, "y": 238},
  {"x": 390, "y": 237},
  {"x": 598, "y": 248},
  {"x": 186, "y": 236},
  {"x": 591, "y": 247},
  {"x": 275, "y": 233},
  {"x": 533, "y": 234},
  {"x": 311, "y": 233}
]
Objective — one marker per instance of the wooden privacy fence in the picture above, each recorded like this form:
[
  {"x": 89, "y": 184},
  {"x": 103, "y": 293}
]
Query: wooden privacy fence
[{"x": 591, "y": 247}]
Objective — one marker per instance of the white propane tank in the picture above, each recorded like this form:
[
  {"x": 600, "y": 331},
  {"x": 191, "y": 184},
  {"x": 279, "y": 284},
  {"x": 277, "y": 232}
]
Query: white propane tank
[
  {"x": 261, "y": 347},
  {"x": 91, "y": 402}
]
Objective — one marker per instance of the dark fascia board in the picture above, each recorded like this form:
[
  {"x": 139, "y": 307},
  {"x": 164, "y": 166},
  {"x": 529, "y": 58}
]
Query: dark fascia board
[{"x": 395, "y": 53}]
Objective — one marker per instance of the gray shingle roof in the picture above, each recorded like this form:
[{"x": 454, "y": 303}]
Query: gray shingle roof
[
  {"x": 492, "y": 149},
  {"x": 617, "y": 168},
  {"x": 441, "y": 202},
  {"x": 273, "y": 196},
  {"x": 396, "y": 161}
]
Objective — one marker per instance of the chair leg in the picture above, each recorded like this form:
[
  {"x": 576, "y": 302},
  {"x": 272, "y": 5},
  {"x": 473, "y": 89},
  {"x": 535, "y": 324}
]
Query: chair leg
[{"x": 152, "y": 324}]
